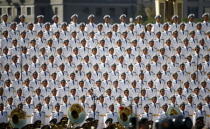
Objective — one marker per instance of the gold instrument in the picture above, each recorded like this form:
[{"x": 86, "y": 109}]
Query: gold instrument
[
  {"x": 124, "y": 115},
  {"x": 76, "y": 114},
  {"x": 17, "y": 118}
]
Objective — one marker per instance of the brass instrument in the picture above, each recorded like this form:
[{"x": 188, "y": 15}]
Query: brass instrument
[
  {"x": 76, "y": 114},
  {"x": 124, "y": 115},
  {"x": 17, "y": 118},
  {"x": 173, "y": 111}
]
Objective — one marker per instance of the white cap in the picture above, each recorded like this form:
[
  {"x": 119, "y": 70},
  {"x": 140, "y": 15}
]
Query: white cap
[
  {"x": 106, "y": 16},
  {"x": 149, "y": 24},
  {"x": 47, "y": 23},
  {"x": 205, "y": 14},
  {"x": 91, "y": 15},
  {"x": 13, "y": 23},
  {"x": 175, "y": 16},
  {"x": 166, "y": 24},
  {"x": 74, "y": 15},
  {"x": 131, "y": 24},
  {"x": 64, "y": 23},
  {"x": 55, "y": 16},
  {"x": 40, "y": 16},
  {"x": 99, "y": 24},
  {"x": 199, "y": 23},
  {"x": 123, "y": 15},
  {"x": 82, "y": 23},
  {"x": 22, "y": 16},
  {"x": 4, "y": 15},
  {"x": 158, "y": 16},
  {"x": 139, "y": 16},
  {"x": 191, "y": 15}
]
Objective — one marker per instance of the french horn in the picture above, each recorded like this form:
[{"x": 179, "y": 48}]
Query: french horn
[
  {"x": 17, "y": 118},
  {"x": 76, "y": 114}
]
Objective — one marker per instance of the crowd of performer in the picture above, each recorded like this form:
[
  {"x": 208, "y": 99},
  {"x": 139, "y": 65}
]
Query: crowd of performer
[{"x": 47, "y": 67}]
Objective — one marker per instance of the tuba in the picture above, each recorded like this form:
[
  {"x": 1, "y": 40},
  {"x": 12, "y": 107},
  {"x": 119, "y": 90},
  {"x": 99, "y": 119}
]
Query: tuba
[
  {"x": 124, "y": 115},
  {"x": 17, "y": 118},
  {"x": 76, "y": 114}
]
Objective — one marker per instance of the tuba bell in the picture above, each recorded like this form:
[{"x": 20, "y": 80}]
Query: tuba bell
[
  {"x": 17, "y": 118},
  {"x": 124, "y": 116},
  {"x": 76, "y": 114}
]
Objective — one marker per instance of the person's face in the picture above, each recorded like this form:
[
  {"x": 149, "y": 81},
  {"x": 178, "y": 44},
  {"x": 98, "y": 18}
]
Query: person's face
[
  {"x": 115, "y": 28},
  {"x": 126, "y": 93},
  {"x": 165, "y": 108},
  {"x": 39, "y": 108},
  {"x": 47, "y": 100},
  {"x": 75, "y": 19},
  {"x": 47, "y": 27},
  {"x": 158, "y": 19},
  {"x": 162, "y": 92},
  {"x": 35, "y": 75},
  {"x": 173, "y": 99},
  {"x": 92, "y": 19},
  {"x": 105, "y": 76},
  {"x": 57, "y": 108},
  {"x": 123, "y": 19},
  {"x": 146, "y": 109},
  {"x": 187, "y": 85},
  {"x": 1, "y": 91},
  {"x": 180, "y": 91},
  {"x": 5, "y": 18},
  {"x": 190, "y": 100},
  {"x": 56, "y": 19},
  {"x": 65, "y": 99},
  {"x": 111, "y": 108},
  {"x": 154, "y": 100},
  {"x": 175, "y": 20},
  {"x": 19, "y": 93},
  {"x": 109, "y": 92},
  {"x": 10, "y": 101},
  {"x": 63, "y": 83},
  {"x": 101, "y": 99},
  {"x": 136, "y": 100},
  {"x": 142, "y": 35},
  {"x": 81, "y": 84},
  {"x": 57, "y": 35},
  {"x": 1, "y": 108},
  {"x": 30, "y": 27},
  {"x": 38, "y": 92},
  {"x": 73, "y": 92},
  {"x": 93, "y": 107},
  {"x": 5, "y": 34},
  {"x": 28, "y": 100},
  {"x": 169, "y": 84},
  {"x": 107, "y": 20},
  {"x": 115, "y": 84},
  {"x": 82, "y": 28},
  {"x": 182, "y": 107}
]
